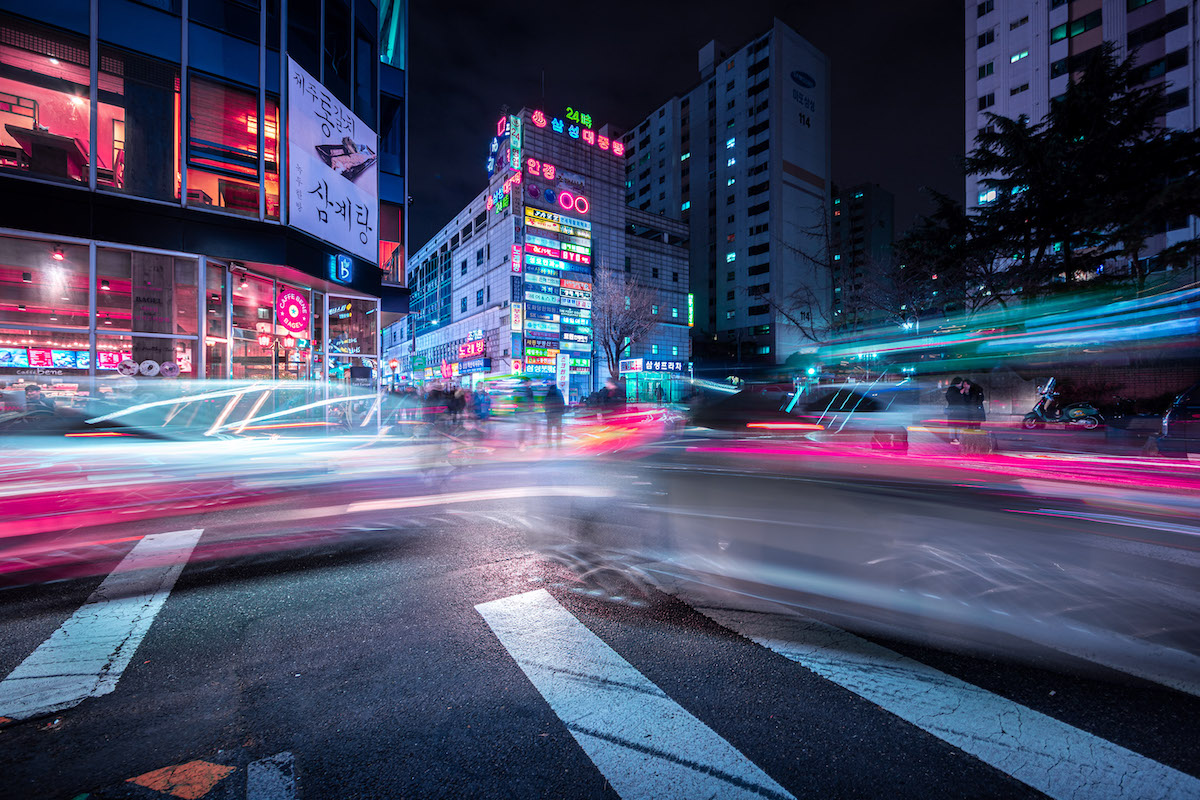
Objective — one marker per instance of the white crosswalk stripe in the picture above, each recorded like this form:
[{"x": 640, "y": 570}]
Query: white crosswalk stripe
[
  {"x": 644, "y": 743},
  {"x": 86, "y": 655},
  {"x": 1040, "y": 751}
]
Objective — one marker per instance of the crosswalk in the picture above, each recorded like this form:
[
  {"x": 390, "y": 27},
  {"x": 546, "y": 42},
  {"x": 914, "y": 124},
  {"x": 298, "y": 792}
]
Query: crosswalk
[{"x": 645, "y": 742}]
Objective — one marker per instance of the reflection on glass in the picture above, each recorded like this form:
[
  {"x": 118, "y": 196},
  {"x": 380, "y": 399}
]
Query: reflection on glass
[
  {"x": 223, "y": 148},
  {"x": 42, "y": 283},
  {"x": 139, "y": 105},
  {"x": 156, "y": 358},
  {"x": 253, "y": 356},
  {"x": 145, "y": 292},
  {"x": 44, "y": 101}
]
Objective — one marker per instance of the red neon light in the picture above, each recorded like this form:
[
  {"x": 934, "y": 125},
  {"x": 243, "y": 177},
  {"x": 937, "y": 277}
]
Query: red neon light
[
  {"x": 264, "y": 341},
  {"x": 786, "y": 426},
  {"x": 95, "y": 433},
  {"x": 582, "y": 206},
  {"x": 566, "y": 200},
  {"x": 501, "y": 125},
  {"x": 539, "y": 250},
  {"x": 580, "y": 285},
  {"x": 472, "y": 349},
  {"x": 534, "y": 166},
  {"x": 589, "y": 136},
  {"x": 490, "y": 202},
  {"x": 618, "y": 148},
  {"x": 602, "y": 141},
  {"x": 549, "y": 170},
  {"x": 516, "y": 179},
  {"x": 539, "y": 119}
]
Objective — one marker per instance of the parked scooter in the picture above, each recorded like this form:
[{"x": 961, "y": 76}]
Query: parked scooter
[{"x": 1047, "y": 412}]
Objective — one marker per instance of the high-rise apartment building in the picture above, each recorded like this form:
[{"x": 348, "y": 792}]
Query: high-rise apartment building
[
  {"x": 1020, "y": 55},
  {"x": 744, "y": 159},
  {"x": 198, "y": 189},
  {"x": 862, "y": 232},
  {"x": 506, "y": 287}
]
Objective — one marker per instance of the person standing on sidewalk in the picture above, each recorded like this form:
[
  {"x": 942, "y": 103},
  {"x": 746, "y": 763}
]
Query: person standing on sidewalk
[
  {"x": 956, "y": 407},
  {"x": 555, "y": 407}
]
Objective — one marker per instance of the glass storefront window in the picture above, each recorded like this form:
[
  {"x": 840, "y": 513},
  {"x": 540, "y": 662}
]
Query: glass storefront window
[
  {"x": 145, "y": 292},
  {"x": 42, "y": 283},
  {"x": 223, "y": 148},
  {"x": 44, "y": 101},
  {"x": 43, "y": 357},
  {"x": 353, "y": 337},
  {"x": 137, "y": 125},
  {"x": 216, "y": 359},
  {"x": 162, "y": 352}
]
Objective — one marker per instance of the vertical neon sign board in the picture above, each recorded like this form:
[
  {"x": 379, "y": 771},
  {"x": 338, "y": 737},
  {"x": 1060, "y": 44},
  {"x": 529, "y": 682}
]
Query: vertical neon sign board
[
  {"x": 691, "y": 310},
  {"x": 514, "y": 142},
  {"x": 516, "y": 260},
  {"x": 518, "y": 323}
]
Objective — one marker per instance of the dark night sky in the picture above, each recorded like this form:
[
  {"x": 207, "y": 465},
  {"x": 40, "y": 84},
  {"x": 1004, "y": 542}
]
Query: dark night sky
[{"x": 897, "y": 82}]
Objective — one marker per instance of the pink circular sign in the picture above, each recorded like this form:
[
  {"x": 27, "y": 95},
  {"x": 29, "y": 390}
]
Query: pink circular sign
[{"x": 292, "y": 310}]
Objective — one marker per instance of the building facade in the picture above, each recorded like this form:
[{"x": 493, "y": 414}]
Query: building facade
[
  {"x": 506, "y": 287},
  {"x": 744, "y": 159},
  {"x": 1020, "y": 55},
  {"x": 862, "y": 233},
  {"x": 192, "y": 190}
]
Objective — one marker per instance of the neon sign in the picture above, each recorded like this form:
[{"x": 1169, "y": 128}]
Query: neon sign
[
  {"x": 514, "y": 143},
  {"x": 585, "y": 133},
  {"x": 541, "y": 261},
  {"x": 550, "y": 216},
  {"x": 578, "y": 285},
  {"x": 516, "y": 259},
  {"x": 516, "y": 323},
  {"x": 473, "y": 349},
  {"x": 578, "y": 258},
  {"x": 542, "y": 250}
]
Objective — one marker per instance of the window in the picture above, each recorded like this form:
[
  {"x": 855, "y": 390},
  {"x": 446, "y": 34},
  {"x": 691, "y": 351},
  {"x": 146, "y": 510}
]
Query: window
[
  {"x": 758, "y": 148},
  {"x": 463, "y": 304},
  {"x": 729, "y": 276},
  {"x": 654, "y": 310},
  {"x": 760, "y": 269},
  {"x": 1024, "y": 87},
  {"x": 675, "y": 277},
  {"x": 1177, "y": 99},
  {"x": 730, "y": 142},
  {"x": 1154, "y": 30},
  {"x": 729, "y": 200},
  {"x": 755, "y": 311},
  {"x": 731, "y": 162},
  {"x": 987, "y": 101},
  {"x": 686, "y": 205},
  {"x": 729, "y": 86},
  {"x": 464, "y": 267},
  {"x": 675, "y": 313},
  {"x": 654, "y": 349},
  {"x": 985, "y": 38},
  {"x": 987, "y": 196},
  {"x": 985, "y": 7},
  {"x": 761, "y": 208},
  {"x": 729, "y": 315},
  {"x": 764, "y": 349},
  {"x": 222, "y": 154},
  {"x": 654, "y": 272},
  {"x": 730, "y": 257},
  {"x": 1130, "y": 5},
  {"x": 758, "y": 188},
  {"x": 674, "y": 350},
  {"x": 1015, "y": 57},
  {"x": 685, "y": 156},
  {"x": 1069, "y": 30}
]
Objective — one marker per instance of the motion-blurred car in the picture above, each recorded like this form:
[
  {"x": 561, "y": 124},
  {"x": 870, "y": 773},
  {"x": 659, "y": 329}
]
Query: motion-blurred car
[
  {"x": 875, "y": 415},
  {"x": 1181, "y": 426}
]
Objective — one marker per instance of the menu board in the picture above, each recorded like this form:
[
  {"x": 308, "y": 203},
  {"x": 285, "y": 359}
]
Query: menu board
[
  {"x": 40, "y": 358},
  {"x": 110, "y": 360},
  {"x": 63, "y": 359},
  {"x": 14, "y": 357}
]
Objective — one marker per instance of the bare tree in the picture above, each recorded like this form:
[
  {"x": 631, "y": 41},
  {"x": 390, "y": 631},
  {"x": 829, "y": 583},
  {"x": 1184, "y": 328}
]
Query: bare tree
[
  {"x": 622, "y": 314},
  {"x": 807, "y": 307}
]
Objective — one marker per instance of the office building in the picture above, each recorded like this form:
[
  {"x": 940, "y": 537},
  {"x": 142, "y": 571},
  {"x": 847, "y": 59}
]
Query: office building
[
  {"x": 506, "y": 286},
  {"x": 195, "y": 189},
  {"x": 862, "y": 232},
  {"x": 744, "y": 159},
  {"x": 1020, "y": 55}
]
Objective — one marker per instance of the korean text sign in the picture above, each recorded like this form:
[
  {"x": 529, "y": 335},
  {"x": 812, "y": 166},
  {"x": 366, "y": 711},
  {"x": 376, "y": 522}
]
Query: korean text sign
[{"x": 333, "y": 176}]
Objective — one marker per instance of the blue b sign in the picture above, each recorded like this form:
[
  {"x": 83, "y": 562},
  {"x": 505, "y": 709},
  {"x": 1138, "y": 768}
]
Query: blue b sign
[{"x": 341, "y": 269}]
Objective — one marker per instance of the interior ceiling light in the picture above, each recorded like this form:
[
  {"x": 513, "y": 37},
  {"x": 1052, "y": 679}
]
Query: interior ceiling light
[
  {"x": 57, "y": 254},
  {"x": 104, "y": 284}
]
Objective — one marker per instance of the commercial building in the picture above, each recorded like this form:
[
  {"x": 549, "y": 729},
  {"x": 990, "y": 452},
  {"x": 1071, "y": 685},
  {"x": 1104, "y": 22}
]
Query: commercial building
[
  {"x": 1020, "y": 55},
  {"x": 507, "y": 286},
  {"x": 862, "y": 233},
  {"x": 194, "y": 190},
  {"x": 744, "y": 159}
]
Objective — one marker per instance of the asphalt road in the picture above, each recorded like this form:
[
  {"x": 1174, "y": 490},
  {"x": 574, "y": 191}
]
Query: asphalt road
[{"x": 430, "y": 651}]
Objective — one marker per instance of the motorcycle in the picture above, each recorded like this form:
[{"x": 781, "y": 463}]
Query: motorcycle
[{"x": 1084, "y": 415}]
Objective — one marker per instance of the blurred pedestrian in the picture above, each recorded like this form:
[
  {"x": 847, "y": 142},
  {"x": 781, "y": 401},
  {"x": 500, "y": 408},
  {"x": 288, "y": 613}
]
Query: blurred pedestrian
[
  {"x": 555, "y": 407},
  {"x": 658, "y": 394},
  {"x": 36, "y": 401},
  {"x": 523, "y": 410},
  {"x": 956, "y": 407},
  {"x": 973, "y": 403}
]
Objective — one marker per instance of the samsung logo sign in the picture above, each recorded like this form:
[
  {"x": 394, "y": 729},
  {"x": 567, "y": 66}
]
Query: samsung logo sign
[{"x": 804, "y": 79}]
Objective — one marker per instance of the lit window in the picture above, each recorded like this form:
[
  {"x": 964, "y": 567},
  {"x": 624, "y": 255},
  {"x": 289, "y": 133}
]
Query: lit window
[
  {"x": 730, "y": 142},
  {"x": 686, "y": 205},
  {"x": 653, "y": 349},
  {"x": 674, "y": 312},
  {"x": 731, "y": 182},
  {"x": 730, "y": 257},
  {"x": 837, "y": 257},
  {"x": 653, "y": 309},
  {"x": 858, "y": 195},
  {"x": 1018, "y": 56},
  {"x": 988, "y": 196},
  {"x": 685, "y": 156},
  {"x": 731, "y": 162},
  {"x": 674, "y": 350}
]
